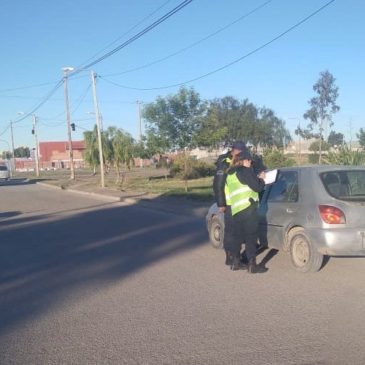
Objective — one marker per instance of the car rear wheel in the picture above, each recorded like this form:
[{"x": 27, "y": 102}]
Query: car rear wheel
[
  {"x": 216, "y": 232},
  {"x": 303, "y": 255}
]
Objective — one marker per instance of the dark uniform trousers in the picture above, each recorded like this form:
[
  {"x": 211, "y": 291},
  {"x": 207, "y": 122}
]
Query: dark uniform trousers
[{"x": 241, "y": 228}]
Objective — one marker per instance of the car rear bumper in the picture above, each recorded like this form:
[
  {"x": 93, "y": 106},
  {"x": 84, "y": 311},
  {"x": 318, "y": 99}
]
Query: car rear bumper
[{"x": 339, "y": 242}]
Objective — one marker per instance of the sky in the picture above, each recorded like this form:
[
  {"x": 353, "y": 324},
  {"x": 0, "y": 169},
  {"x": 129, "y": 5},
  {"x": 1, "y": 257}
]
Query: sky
[{"x": 269, "y": 52}]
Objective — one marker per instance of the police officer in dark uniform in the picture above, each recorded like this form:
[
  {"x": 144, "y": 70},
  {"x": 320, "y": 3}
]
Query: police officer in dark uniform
[
  {"x": 242, "y": 190},
  {"x": 224, "y": 162}
]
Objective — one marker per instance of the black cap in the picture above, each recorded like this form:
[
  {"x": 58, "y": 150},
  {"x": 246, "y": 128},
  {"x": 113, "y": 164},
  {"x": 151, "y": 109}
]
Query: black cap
[
  {"x": 239, "y": 145},
  {"x": 244, "y": 155}
]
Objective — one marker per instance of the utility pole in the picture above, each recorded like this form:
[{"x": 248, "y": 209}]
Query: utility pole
[
  {"x": 139, "y": 129},
  {"x": 97, "y": 117},
  {"x": 66, "y": 70},
  {"x": 36, "y": 145},
  {"x": 12, "y": 145},
  {"x": 139, "y": 120}
]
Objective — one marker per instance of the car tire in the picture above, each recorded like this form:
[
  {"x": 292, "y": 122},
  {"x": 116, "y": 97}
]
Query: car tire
[
  {"x": 216, "y": 232},
  {"x": 304, "y": 256}
]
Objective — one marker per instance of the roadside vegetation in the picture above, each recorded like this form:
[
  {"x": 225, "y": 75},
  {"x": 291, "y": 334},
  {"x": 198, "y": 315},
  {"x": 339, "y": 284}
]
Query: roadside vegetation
[{"x": 183, "y": 121}]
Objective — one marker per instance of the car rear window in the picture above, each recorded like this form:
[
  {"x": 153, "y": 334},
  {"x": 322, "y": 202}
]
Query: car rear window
[
  {"x": 3, "y": 168},
  {"x": 345, "y": 184}
]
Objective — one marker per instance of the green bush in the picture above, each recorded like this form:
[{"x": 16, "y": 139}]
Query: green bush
[
  {"x": 163, "y": 162},
  {"x": 344, "y": 156},
  {"x": 325, "y": 146},
  {"x": 313, "y": 158},
  {"x": 190, "y": 168},
  {"x": 274, "y": 158}
]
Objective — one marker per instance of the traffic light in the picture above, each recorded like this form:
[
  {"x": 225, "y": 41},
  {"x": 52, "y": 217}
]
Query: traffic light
[
  {"x": 73, "y": 126},
  {"x": 33, "y": 131}
]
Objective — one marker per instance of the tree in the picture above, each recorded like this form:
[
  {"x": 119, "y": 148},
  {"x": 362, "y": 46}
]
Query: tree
[
  {"x": 322, "y": 107},
  {"x": 233, "y": 117},
  {"x": 336, "y": 139},
  {"x": 91, "y": 151},
  {"x": 155, "y": 144},
  {"x": 175, "y": 120},
  {"x": 361, "y": 137},
  {"x": 123, "y": 147},
  {"x": 6, "y": 155},
  {"x": 22, "y": 152},
  {"x": 211, "y": 132},
  {"x": 269, "y": 130},
  {"x": 230, "y": 119}
]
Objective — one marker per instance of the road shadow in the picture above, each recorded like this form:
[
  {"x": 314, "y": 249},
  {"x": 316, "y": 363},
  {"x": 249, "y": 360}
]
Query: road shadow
[
  {"x": 46, "y": 258},
  {"x": 9, "y": 214},
  {"x": 17, "y": 181}
]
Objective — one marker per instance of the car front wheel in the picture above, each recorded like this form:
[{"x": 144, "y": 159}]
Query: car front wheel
[
  {"x": 304, "y": 256},
  {"x": 216, "y": 232}
]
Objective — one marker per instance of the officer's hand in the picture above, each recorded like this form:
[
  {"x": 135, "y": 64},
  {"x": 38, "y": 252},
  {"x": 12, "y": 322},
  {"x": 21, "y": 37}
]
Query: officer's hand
[{"x": 262, "y": 175}]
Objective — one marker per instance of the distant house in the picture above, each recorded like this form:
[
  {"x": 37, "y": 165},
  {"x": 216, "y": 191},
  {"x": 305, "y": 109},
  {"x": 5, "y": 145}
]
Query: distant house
[{"x": 56, "y": 154}]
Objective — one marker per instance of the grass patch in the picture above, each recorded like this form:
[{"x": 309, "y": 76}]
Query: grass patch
[{"x": 149, "y": 180}]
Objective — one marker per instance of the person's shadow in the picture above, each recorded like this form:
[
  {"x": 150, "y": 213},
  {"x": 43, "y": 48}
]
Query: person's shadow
[{"x": 270, "y": 254}]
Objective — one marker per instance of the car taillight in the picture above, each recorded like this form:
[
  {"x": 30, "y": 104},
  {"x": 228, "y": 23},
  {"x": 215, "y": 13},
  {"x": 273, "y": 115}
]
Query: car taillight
[{"x": 332, "y": 215}]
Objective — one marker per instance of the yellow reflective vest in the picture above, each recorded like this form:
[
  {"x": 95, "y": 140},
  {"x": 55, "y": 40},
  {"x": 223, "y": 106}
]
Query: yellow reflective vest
[{"x": 237, "y": 194}]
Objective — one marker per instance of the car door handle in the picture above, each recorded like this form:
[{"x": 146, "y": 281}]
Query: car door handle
[{"x": 289, "y": 210}]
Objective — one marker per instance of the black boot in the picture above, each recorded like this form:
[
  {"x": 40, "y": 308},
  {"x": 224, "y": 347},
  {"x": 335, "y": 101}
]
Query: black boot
[
  {"x": 253, "y": 268},
  {"x": 244, "y": 259},
  {"x": 237, "y": 264},
  {"x": 229, "y": 258}
]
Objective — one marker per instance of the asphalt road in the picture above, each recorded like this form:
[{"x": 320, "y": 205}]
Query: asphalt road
[{"x": 87, "y": 281}]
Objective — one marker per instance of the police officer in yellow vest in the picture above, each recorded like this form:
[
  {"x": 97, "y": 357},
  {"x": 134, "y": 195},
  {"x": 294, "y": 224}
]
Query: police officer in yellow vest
[
  {"x": 242, "y": 190},
  {"x": 224, "y": 162}
]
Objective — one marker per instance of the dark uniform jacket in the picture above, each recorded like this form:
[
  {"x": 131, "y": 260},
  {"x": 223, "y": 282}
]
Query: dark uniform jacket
[{"x": 222, "y": 165}]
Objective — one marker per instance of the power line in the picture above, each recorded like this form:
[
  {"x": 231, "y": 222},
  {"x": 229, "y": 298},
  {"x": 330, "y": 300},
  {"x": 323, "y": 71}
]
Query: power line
[
  {"x": 124, "y": 34},
  {"x": 5, "y": 130},
  {"x": 35, "y": 85},
  {"x": 228, "y": 64},
  {"x": 22, "y": 97},
  {"x": 195, "y": 43},
  {"x": 28, "y": 87},
  {"x": 110, "y": 44},
  {"x": 135, "y": 37},
  {"x": 46, "y": 98},
  {"x": 81, "y": 99}
]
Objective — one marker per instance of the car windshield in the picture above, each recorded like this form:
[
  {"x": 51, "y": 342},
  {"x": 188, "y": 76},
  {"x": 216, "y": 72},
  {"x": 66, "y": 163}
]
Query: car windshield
[
  {"x": 3, "y": 168},
  {"x": 345, "y": 184}
]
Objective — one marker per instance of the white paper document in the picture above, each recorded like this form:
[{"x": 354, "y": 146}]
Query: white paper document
[{"x": 270, "y": 176}]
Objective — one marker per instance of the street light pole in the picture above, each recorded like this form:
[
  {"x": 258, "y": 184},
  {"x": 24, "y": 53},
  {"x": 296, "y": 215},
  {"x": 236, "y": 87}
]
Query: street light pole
[
  {"x": 66, "y": 70},
  {"x": 36, "y": 145},
  {"x": 12, "y": 145},
  {"x": 97, "y": 117}
]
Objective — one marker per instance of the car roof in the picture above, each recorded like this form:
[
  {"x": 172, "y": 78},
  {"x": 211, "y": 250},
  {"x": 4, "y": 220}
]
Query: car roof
[{"x": 322, "y": 168}]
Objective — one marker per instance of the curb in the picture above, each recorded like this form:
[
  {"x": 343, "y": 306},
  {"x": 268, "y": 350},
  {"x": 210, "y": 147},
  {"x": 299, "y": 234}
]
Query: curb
[
  {"x": 175, "y": 207},
  {"x": 103, "y": 196}
]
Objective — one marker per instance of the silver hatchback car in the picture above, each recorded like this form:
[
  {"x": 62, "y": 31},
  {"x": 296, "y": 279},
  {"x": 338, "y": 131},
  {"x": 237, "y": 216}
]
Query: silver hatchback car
[
  {"x": 4, "y": 172},
  {"x": 311, "y": 212}
]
